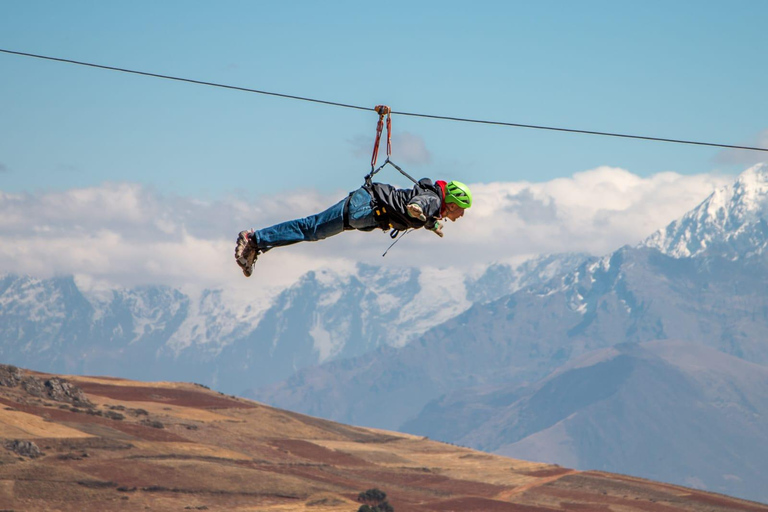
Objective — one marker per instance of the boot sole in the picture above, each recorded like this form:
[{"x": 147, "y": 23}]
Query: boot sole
[{"x": 246, "y": 264}]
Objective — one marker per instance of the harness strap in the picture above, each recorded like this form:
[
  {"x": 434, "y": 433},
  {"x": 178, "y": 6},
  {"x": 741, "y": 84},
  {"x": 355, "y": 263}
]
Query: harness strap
[
  {"x": 393, "y": 164},
  {"x": 345, "y": 213},
  {"x": 380, "y": 212},
  {"x": 369, "y": 176},
  {"x": 389, "y": 132},
  {"x": 382, "y": 216},
  {"x": 382, "y": 110}
]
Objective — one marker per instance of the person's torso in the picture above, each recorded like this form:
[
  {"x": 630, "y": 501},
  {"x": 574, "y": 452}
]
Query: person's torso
[{"x": 396, "y": 201}]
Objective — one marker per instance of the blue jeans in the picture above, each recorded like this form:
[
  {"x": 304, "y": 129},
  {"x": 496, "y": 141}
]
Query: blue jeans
[{"x": 319, "y": 226}]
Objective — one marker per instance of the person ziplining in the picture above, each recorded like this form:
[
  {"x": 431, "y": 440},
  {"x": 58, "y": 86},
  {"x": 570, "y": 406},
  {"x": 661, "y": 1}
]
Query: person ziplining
[{"x": 372, "y": 206}]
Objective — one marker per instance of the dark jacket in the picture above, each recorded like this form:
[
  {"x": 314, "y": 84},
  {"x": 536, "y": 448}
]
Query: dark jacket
[{"x": 391, "y": 202}]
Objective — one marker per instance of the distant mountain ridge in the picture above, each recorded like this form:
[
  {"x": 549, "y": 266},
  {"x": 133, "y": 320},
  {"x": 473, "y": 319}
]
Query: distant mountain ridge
[
  {"x": 160, "y": 333},
  {"x": 634, "y": 295},
  {"x": 673, "y": 411},
  {"x": 703, "y": 280}
]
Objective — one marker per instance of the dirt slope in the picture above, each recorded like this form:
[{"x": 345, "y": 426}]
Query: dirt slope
[{"x": 93, "y": 444}]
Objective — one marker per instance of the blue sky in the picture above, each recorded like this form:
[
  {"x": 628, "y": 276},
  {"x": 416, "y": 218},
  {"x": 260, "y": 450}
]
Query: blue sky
[
  {"x": 123, "y": 180},
  {"x": 684, "y": 69}
]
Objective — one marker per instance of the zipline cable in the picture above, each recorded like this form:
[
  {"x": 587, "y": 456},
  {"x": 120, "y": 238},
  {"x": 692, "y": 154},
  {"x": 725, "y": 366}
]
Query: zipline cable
[
  {"x": 179, "y": 79},
  {"x": 357, "y": 107}
]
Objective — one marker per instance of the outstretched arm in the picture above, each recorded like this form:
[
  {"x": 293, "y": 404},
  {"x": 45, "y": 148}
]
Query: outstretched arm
[{"x": 426, "y": 208}]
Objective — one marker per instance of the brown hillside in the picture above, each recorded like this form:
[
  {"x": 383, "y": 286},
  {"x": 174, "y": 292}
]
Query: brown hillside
[{"x": 93, "y": 444}]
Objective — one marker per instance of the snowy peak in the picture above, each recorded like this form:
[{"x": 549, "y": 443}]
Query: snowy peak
[
  {"x": 500, "y": 279},
  {"x": 156, "y": 332},
  {"x": 731, "y": 222}
]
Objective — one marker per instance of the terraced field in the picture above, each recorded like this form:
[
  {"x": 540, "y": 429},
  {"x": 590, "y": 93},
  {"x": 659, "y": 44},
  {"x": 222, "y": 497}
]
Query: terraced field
[{"x": 123, "y": 445}]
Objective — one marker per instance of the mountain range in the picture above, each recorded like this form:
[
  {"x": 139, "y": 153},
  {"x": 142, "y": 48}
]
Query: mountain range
[
  {"x": 160, "y": 333},
  {"x": 669, "y": 410},
  {"x": 701, "y": 280},
  {"x": 586, "y": 361}
]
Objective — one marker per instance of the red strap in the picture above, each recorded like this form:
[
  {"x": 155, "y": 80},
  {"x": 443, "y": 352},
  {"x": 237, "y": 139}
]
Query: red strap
[
  {"x": 382, "y": 110},
  {"x": 389, "y": 133}
]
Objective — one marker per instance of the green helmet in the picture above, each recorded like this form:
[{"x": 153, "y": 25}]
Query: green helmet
[{"x": 458, "y": 193}]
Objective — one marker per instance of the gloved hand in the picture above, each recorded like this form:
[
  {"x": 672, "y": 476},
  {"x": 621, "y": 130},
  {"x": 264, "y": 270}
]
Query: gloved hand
[
  {"x": 416, "y": 212},
  {"x": 438, "y": 229}
]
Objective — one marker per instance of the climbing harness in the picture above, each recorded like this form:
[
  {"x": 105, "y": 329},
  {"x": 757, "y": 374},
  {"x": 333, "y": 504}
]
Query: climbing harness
[
  {"x": 380, "y": 213},
  {"x": 383, "y": 111}
]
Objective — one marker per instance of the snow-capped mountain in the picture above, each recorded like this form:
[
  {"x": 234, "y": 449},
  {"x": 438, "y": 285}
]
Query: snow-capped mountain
[
  {"x": 731, "y": 223},
  {"x": 158, "y": 333},
  {"x": 633, "y": 295},
  {"x": 715, "y": 297}
]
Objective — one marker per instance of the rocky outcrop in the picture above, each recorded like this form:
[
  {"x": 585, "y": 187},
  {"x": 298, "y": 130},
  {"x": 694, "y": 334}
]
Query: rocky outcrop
[
  {"x": 54, "y": 388},
  {"x": 24, "y": 448},
  {"x": 10, "y": 376},
  {"x": 63, "y": 391}
]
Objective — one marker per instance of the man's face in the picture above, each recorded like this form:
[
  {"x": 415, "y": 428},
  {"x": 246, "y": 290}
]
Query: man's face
[{"x": 453, "y": 211}]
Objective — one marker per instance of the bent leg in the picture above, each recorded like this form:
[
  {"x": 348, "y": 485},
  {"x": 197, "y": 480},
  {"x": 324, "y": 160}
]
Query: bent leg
[{"x": 309, "y": 229}]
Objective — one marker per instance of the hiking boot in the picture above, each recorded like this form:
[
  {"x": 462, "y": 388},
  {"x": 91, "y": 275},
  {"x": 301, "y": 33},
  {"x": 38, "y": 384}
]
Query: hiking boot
[{"x": 246, "y": 252}]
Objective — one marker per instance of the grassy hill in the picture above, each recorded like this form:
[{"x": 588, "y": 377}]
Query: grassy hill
[{"x": 97, "y": 443}]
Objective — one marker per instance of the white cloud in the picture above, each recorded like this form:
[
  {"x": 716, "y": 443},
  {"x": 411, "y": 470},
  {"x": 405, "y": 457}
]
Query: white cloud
[
  {"x": 594, "y": 211},
  {"x": 122, "y": 234}
]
